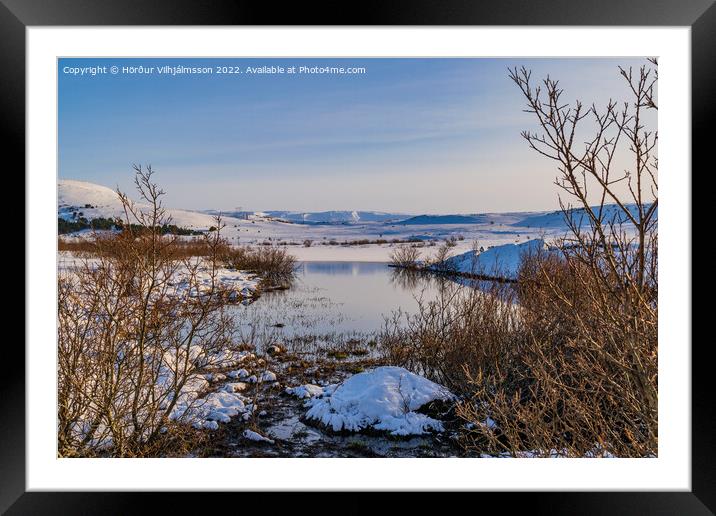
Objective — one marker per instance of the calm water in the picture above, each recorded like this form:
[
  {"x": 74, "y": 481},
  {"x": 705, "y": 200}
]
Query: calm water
[{"x": 336, "y": 301}]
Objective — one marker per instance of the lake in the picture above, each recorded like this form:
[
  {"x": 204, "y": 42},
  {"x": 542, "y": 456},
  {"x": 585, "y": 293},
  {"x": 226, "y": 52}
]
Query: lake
[{"x": 336, "y": 301}]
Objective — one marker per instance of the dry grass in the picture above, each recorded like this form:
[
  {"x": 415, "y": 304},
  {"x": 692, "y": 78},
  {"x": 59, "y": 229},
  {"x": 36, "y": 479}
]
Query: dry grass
[
  {"x": 129, "y": 342},
  {"x": 107, "y": 244},
  {"x": 555, "y": 362},
  {"x": 567, "y": 362},
  {"x": 274, "y": 264}
]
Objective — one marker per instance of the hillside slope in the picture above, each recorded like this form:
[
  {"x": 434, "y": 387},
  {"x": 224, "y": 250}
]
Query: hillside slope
[{"x": 93, "y": 201}]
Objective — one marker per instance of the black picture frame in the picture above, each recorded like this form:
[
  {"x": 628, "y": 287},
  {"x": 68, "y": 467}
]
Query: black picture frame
[{"x": 700, "y": 15}]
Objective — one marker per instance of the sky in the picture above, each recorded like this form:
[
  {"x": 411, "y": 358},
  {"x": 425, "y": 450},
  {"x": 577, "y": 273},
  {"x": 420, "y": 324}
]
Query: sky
[{"x": 435, "y": 135}]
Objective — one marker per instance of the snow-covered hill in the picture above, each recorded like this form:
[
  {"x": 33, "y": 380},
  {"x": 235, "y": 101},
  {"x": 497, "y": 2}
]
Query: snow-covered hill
[
  {"x": 321, "y": 236},
  {"x": 612, "y": 213},
  {"x": 93, "y": 201},
  {"x": 502, "y": 261},
  {"x": 335, "y": 217},
  {"x": 424, "y": 220}
]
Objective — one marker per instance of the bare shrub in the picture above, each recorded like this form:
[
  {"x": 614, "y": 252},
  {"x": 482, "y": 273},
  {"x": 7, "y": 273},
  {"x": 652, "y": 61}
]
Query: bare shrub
[
  {"x": 136, "y": 326},
  {"x": 103, "y": 243},
  {"x": 405, "y": 256},
  {"x": 462, "y": 328},
  {"x": 588, "y": 375},
  {"x": 570, "y": 368},
  {"x": 77, "y": 245},
  {"x": 274, "y": 264},
  {"x": 439, "y": 260}
]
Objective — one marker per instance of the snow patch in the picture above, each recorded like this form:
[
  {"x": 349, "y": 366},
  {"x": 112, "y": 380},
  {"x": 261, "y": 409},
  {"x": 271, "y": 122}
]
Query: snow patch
[
  {"x": 240, "y": 373},
  {"x": 502, "y": 261},
  {"x": 268, "y": 376},
  {"x": 308, "y": 390},
  {"x": 384, "y": 398},
  {"x": 255, "y": 436},
  {"x": 234, "y": 387}
]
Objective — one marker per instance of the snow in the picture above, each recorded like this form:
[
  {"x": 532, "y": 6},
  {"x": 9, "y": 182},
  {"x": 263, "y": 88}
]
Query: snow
[
  {"x": 268, "y": 376},
  {"x": 443, "y": 219},
  {"x": 218, "y": 406},
  {"x": 255, "y": 436},
  {"x": 240, "y": 373},
  {"x": 341, "y": 216},
  {"x": 384, "y": 398},
  {"x": 500, "y": 261},
  {"x": 611, "y": 213},
  {"x": 328, "y": 230},
  {"x": 239, "y": 284},
  {"x": 224, "y": 358},
  {"x": 308, "y": 390},
  {"x": 234, "y": 387},
  {"x": 215, "y": 407},
  {"x": 105, "y": 203},
  {"x": 490, "y": 423}
]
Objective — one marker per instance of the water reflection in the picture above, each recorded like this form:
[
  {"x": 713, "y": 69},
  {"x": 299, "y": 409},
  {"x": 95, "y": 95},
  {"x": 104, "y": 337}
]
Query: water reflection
[
  {"x": 331, "y": 303},
  {"x": 413, "y": 280},
  {"x": 341, "y": 268},
  {"x": 335, "y": 300}
]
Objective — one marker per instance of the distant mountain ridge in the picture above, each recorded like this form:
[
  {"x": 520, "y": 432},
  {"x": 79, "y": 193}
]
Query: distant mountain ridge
[
  {"x": 89, "y": 200},
  {"x": 611, "y": 213},
  {"x": 335, "y": 216},
  {"x": 425, "y": 220}
]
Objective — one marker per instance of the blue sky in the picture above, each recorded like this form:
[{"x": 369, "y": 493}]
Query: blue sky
[{"x": 409, "y": 135}]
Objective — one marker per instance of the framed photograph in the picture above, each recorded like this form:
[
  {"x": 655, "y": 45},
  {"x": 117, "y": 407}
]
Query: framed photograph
[{"x": 405, "y": 248}]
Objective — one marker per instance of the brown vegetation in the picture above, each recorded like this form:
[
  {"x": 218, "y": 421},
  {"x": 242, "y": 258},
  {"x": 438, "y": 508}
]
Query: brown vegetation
[
  {"x": 130, "y": 340},
  {"x": 566, "y": 361},
  {"x": 405, "y": 256},
  {"x": 274, "y": 264}
]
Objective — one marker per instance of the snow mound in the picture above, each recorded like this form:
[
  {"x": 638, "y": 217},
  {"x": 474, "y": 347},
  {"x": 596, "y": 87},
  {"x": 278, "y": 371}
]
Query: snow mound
[
  {"x": 384, "y": 398},
  {"x": 212, "y": 377},
  {"x": 501, "y": 261},
  {"x": 308, "y": 390},
  {"x": 216, "y": 406}
]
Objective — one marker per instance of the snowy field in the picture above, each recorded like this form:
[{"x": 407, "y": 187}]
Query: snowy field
[{"x": 328, "y": 232}]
